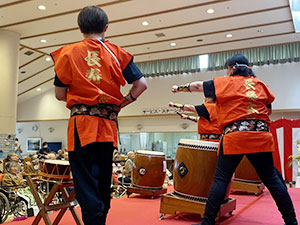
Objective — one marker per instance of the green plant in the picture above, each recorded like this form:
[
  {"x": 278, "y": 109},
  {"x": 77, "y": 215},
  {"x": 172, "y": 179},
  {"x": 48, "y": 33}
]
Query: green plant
[{"x": 295, "y": 158}]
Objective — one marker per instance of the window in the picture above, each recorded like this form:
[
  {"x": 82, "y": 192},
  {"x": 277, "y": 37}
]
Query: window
[{"x": 203, "y": 62}]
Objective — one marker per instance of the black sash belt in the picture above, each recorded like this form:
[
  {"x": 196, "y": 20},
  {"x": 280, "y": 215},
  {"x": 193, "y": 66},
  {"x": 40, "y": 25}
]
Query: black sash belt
[
  {"x": 103, "y": 110},
  {"x": 210, "y": 136},
  {"x": 247, "y": 125}
]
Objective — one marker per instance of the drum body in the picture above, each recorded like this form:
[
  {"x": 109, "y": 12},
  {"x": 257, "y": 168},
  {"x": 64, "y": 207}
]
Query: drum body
[
  {"x": 55, "y": 170},
  {"x": 246, "y": 172},
  {"x": 194, "y": 167},
  {"x": 149, "y": 170}
]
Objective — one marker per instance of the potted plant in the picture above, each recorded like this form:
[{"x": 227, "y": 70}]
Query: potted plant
[{"x": 296, "y": 158}]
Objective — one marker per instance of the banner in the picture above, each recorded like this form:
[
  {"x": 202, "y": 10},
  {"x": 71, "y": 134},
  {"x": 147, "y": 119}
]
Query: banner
[{"x": 286, "y": 133}]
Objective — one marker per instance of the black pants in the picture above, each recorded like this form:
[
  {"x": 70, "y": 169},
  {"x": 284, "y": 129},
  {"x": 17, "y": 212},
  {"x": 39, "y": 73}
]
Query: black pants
[
  {"x": 91, "y": 168},
  {"x": 264, "y": 166}
]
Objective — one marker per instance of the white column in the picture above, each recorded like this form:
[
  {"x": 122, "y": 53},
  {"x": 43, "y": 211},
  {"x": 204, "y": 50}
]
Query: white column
[{"x": 9, "y": 66}]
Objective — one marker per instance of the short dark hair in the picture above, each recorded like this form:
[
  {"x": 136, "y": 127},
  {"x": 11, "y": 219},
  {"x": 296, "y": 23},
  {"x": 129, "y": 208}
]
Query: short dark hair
[
  {"x": 238, "y": 62},
  {"x": 45, "y": 143},
  {"x": 92, "y": 20}
]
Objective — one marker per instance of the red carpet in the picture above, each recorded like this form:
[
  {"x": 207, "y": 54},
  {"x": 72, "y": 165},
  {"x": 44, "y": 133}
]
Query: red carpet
[{"x": 251, "y": 210}]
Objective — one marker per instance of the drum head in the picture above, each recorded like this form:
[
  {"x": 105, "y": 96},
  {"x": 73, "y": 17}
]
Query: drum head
[
  {"x": 197, "y": 144},
  {"x": 57, "y": 162},
  {"x": 152, "y": 153}
]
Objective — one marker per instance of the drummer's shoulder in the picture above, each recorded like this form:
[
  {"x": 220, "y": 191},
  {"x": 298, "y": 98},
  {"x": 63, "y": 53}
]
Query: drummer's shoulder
[{"x": 69, "y": 49}]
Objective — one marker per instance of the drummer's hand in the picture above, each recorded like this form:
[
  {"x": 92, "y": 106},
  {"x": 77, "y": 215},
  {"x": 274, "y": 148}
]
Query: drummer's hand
[
  {"x": 175, "y": 89},
  {"x": 171, "y": 104},
  {"x": 183, "y": 116}
]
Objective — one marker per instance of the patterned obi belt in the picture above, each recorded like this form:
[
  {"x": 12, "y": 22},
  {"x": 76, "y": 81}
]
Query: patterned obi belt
[
  {"x": 247, "y": 125},
  {"x": 106, "y": 111},
  {"x": 210, "y": 136}
]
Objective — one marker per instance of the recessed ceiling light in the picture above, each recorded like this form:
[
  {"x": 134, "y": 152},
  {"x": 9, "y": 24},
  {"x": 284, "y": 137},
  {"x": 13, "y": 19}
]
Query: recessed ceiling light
[
  {"x": 173, "y": 44},
  {"x": 38, "y": 89},
  {"x": 48, "y": 59},
  {"x": 210, "y": 11},
  {"x": 260, "y": 31},
  {"x": 228, "y": 35},
  {"x": 145, "y": 23},
  {"x": 43, "y": 41},
  {"x": 42, "y": 7}
]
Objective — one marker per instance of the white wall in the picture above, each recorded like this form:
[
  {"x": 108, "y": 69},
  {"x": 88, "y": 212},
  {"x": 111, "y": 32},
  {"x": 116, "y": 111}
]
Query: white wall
[
  {"x": 44, "y": 109},
  {"x": 283, "y": 80},
  {"x": 59, "y": 134}
]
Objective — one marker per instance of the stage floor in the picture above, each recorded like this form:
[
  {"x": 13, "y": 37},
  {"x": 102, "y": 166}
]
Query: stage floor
[{"x": 251, "y": 210}]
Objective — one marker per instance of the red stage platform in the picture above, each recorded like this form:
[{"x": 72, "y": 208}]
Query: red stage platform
[{"x": 250, "y": 210}]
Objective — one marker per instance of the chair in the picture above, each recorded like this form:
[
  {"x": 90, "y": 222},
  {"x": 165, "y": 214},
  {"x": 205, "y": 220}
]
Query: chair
[
  {"x": 26, "y": 161},
  {"x": 4, "y": 162}
]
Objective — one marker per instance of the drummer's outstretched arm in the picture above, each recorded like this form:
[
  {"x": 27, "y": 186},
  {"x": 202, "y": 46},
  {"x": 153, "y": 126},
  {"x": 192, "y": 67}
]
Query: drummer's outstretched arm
[
  {"x": 186, "y": 117},
  {"x": 184, "y": 107},
  {"x": 196, "y": 86}
]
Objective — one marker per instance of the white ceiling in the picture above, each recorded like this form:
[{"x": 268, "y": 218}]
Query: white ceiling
[{"x": 184, "y": 22}]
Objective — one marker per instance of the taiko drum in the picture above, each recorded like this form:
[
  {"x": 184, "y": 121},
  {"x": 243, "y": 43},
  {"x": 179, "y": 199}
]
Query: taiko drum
[
  {"x": 246, "y": 172},
  {"x": 194, "y": 167},
  {"x": 149, "y": 170},
  {"x": 55, "y": 170}
]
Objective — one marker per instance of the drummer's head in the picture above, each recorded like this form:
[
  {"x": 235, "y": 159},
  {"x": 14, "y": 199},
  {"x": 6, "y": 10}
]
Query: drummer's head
[
  {"x": 131, "y": 155},
  {"x": 238, "y": 65},
  {"x": 92, "y": 20},
  {"x": 12, "y": 167}
]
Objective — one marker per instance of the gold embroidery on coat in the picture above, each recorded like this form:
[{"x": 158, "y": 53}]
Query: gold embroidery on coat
[
  {"x": 94, "y": 75},
  {"x": 249, "y": 84},
  {"x": 92, "y": 58},
  {"x": 251, "y": 109},
  {"x": 103, "y": 98},
  {"x": 251, "y": 95}
]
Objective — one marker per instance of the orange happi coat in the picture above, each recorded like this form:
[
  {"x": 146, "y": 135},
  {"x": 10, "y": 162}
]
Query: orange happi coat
[
  {"x": 209, "y": 127},
  {"x": 242, "y": 98},
  {"x": 93, "y": 76}
]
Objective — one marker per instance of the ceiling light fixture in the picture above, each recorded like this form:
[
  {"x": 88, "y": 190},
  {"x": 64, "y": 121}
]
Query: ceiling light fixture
[
  {"x": 43, "y": 41},
  {"x": 48, "y": 59},
  {"x": 38, "y": 89},
  {"x": 173, "y": 44},
  {"x": 42, "y": 7},
  {"x": 260, "y": 31},
  {"x": 145, "y": 23},
  {"x": 228, "y": 35},
  {"x": 210, "y": 11}
]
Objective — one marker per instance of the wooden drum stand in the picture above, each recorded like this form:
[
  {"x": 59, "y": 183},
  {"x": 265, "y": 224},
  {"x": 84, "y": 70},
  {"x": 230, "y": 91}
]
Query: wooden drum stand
[
  {"x": 246, "y": 178},
  {"x": 194, "y": 166},
  {"x": 51, "y": 171},
  {"x": 172, "y": 203}
]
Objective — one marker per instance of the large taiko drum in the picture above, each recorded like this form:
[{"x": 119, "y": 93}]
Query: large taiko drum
[
  {"x": 55, "y": 170},
  {"x": 246, "y": 172},
  {"x": 149, "y": 169},
  {"x": 194, "y": 167}
]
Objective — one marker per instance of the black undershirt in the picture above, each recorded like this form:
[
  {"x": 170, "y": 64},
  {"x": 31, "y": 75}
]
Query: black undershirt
[{"x": 202, "y": 111}]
